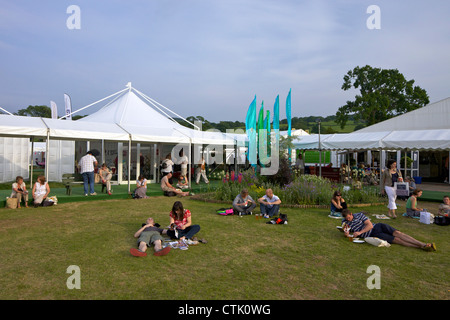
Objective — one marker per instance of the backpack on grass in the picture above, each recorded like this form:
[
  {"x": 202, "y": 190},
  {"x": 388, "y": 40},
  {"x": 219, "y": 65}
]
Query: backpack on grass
[
  {"x": 225, "y": 211},
  {"x": 282, "y": 219}
]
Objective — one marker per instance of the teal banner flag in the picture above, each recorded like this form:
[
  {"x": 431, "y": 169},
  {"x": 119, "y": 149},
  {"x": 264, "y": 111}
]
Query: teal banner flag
[
  {"x": 250, "y": 126},
  {"x": 276, "y": 118},
  {"x": 288, "y": 117},
  {"x": 288, "y": 112}
]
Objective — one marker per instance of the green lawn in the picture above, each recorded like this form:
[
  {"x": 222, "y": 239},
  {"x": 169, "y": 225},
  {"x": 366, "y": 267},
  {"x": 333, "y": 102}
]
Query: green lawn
[{"x": 244, "y": 258}]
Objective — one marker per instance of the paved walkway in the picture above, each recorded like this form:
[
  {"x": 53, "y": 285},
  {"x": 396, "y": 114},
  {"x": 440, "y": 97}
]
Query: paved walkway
[
  {"x": 434, "y": 186},
  {"x": 433, "y": 191}
]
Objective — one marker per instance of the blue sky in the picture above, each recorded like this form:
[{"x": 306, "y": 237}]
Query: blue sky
[{"x": 211, "y": 57}]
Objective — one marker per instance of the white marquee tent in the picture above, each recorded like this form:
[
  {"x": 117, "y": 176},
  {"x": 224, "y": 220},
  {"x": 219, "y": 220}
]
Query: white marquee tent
[
  {"x": 427, "y": 128},
  {"x": 129, "y": 116},
  {"x": 424, "y": 129}
]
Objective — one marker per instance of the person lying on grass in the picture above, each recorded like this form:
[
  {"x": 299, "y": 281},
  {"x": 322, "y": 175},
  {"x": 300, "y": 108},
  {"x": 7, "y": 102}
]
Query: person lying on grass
[
  {"x": 361, "y": 227},
  {"x": 147, "y": 235}
]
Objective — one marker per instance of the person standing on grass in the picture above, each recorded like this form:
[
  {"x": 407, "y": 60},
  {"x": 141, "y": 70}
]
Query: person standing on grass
[
  {"x": 87, "y": 165},
  {"x": 361, "y": 227},
  {"x": 390, "y": 176},
  {"x": 201, "y": 172},
  {"x": 149, "y": 234},
  {"x": 269, "y": 204},
  {"x": 181, "y": 224}
]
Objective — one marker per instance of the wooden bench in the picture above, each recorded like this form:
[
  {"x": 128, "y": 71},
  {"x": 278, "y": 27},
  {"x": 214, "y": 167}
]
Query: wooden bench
[{"x": 70, "y": 179}]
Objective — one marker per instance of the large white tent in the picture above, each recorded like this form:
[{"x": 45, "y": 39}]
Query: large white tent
[
  {"x": 424, "y": 129},
  {"x": 146, "y": 120},
  {"x": 427, "y": 128},
  {"x": 129, "y": 116}
]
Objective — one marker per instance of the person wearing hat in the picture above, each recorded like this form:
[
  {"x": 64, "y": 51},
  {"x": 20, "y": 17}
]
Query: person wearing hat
[{"x": 87, "y": 166}]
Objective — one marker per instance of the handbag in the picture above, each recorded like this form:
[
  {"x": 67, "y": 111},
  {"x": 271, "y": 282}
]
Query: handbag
[
  {"x": 441, "y": 221},
  {"x": 426, "y": 217},
  {"x": 11, "y": 203},
  {"x": 402, "y": 189}
]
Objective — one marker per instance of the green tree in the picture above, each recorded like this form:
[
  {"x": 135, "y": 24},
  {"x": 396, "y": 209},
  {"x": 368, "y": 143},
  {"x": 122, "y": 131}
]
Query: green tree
[
  {"x": 384, "y": 93},
  {"x": 36, "y": 111}
]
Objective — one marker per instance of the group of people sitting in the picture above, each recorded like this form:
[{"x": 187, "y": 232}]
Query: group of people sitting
[
  {"x": 269, "y": 204},
  {"x": 39, "y": 192},
  {"x": 362, "y": 227},
  {"x": 180, "y": 228}
]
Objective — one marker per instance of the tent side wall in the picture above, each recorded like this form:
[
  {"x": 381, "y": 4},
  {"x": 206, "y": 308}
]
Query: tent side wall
[
  {"x": 14, "y": 158},
  {"x": 61, "y": 159}
]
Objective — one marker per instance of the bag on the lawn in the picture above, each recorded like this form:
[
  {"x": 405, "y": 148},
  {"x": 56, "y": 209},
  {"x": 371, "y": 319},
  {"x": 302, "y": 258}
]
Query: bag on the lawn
[{"x": 225, "y": 211}]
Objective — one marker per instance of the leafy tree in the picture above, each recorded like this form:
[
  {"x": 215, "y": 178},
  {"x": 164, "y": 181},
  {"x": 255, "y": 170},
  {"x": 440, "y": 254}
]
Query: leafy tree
[
  {"x": 36, "y": 111},
  {"x": 384, "y": 93}
]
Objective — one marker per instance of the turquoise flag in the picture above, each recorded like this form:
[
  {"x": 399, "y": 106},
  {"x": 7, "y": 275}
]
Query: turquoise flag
[
  {"x": 267, "y": 127},
  {"x": 262, "y": 136},
  {"x": 250, "y": 126},
  {"x": 288, "y": 117},
  {"x": 288, "y": 112},
  {"x": 250, "y": 120},
  {"x": 267, "y": 122},
  {"x": 276, "y": 118},
  {"x": 261, "y": 117}
]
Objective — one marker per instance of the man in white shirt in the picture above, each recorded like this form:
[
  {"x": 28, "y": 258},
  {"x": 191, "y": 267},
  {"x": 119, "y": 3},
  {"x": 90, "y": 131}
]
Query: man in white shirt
[
  {"x": 87, "y": 165},
  {"x": 167, "y": 166},
  {"x": 269, "y": 204}
]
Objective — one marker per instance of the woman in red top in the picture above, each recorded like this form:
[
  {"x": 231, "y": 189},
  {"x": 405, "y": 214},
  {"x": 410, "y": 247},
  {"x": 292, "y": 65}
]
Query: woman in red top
[{"x": 181, "y": 223}]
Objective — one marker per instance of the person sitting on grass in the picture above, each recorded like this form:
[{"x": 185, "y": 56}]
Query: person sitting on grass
[
  {"x": 167, "y": 187},
  {"x": 141, "y": 188},
  {"x": 19, "y": 191},
  {"x": 361, "y": 227},
  {"x": 412, "y": 210},
  {"x": 106, "y": 176},
  {"x": 269, "y": 204},
  {"x": 40, "y": 191},
  {"x": 244, "y": 203},
  {"x": 183, "y": 182},
  {"x": 181, "y": 224},
  {"x": 149, "y": 234},
  {"x": 444, "y": 208},
  {"x": 337, "y": 205}
]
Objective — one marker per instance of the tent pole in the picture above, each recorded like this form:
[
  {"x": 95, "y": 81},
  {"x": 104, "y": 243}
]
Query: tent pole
[
  {"x": 190, "y": 163},
  {"x": 129, "y": 163},
  {"x": 46, "y": 154},
  {"x": 448, "y": 167},
  {"x": 406, "y": 154},
  {"x": 235, "y": 157},
  {"x": 31, "y": 169}
]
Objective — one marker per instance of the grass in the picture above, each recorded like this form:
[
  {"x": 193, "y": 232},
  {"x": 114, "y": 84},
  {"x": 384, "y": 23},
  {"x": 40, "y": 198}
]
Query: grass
[{"x": 244, "y": 258}]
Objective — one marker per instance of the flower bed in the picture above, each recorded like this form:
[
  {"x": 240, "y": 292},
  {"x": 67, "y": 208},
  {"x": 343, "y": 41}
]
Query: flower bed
[{"x": 303, "y": 190}]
